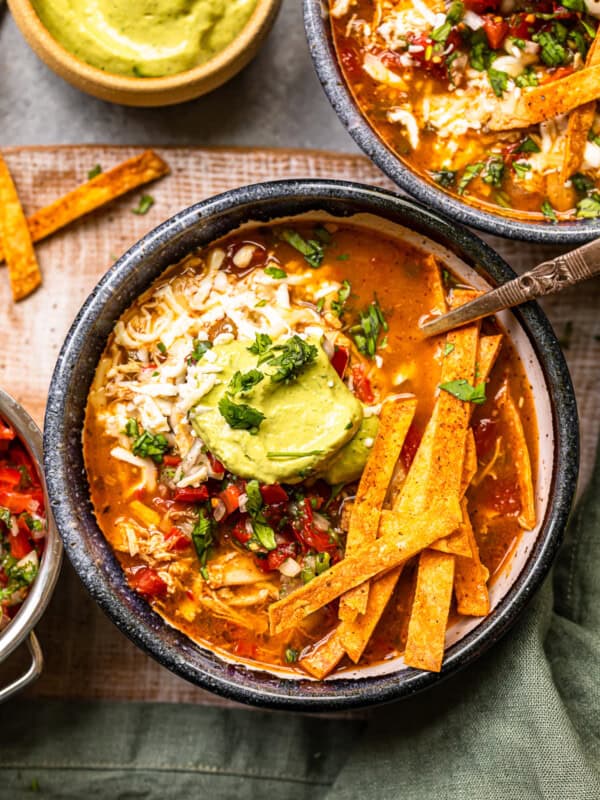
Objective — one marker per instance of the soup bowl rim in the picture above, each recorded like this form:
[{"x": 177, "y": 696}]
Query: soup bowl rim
[{"x": 91, "y": 555}]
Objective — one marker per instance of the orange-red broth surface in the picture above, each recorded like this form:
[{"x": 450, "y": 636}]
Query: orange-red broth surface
[{"x": 150, "y": 529}]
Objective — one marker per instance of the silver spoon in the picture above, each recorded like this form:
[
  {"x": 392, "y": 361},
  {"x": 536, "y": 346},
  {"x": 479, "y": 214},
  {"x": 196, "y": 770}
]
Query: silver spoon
[{"x": 549, "y": 277}]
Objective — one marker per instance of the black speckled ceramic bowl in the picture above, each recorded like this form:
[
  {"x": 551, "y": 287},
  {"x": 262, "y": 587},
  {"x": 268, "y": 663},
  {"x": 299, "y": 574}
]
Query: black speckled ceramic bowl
[
  {"x": 318, "y": 32},
  {"x": 93, "y": 558}
]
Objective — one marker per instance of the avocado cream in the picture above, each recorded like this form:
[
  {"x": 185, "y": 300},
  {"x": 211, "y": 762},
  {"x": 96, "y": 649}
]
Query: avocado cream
[
  {"x": 307, "y": 421},
  {"x": 144, "y": 38}
]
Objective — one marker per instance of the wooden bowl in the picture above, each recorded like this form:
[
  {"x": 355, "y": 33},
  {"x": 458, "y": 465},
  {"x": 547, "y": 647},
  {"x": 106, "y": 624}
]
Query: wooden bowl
[{"x": 163, "y": 91}]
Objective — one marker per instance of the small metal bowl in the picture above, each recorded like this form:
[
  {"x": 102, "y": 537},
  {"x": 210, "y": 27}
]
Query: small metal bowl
[{"x": 30, "y": 613}]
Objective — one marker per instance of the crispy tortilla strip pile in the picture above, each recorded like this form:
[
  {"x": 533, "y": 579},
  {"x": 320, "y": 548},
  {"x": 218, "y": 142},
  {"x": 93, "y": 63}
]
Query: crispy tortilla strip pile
[
  {"x": 580, "y": 123},
  {"x": 23, "y": 270},
  {"x": 106, "y": 186},
  {"x": 540, "y": 103}
]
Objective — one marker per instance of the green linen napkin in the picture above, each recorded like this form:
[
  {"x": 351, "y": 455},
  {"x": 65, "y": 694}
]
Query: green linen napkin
[{"x": 523, "y": 722}]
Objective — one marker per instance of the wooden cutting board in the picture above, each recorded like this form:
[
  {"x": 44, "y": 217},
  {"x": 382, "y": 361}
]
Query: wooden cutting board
[{"x": 86, "y": 656}]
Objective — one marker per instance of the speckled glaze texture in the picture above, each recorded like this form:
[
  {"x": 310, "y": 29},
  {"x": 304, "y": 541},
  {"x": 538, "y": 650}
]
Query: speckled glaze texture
[
  {"x": 318, "y": 32},
  {"x": 93, "y": 558}
]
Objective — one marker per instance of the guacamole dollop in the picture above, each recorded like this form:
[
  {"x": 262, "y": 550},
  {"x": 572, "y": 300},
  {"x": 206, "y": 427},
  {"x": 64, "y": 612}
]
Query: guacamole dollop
[
  {"x": 144, "y": 38},
  {"x": 307, "y": 420}
]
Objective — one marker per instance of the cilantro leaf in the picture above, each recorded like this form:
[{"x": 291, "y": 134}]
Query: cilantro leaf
[
  {"x": 337, "y": 305},
  {"x": 94, "y": 172},
  {"x": 589, "y": 207},
  {"x": 582, "y": 183},
  {"x": 494, "y": 171},
  {"x": 471, "y": 171},
  {"x": 262, "y": 342},
  {"x": 145, "y": 204},
  {"x": 200, "y": 347},
  {"x": 498, "y": 80},
  {"x": 464, "y": 391},
  {"x": 203, "y": 536},
  {"x": 367, "y": 332},
  {"x": 311, "y": 249},
  {"x": 242, "y": 382},
  {"x": 444, "y": 177},
  {"x": 548, "y": 211},
  {"x": 240, "y": 416},
  {"x": 275, "y": 272},
  {"x": 289, "y": 358}
]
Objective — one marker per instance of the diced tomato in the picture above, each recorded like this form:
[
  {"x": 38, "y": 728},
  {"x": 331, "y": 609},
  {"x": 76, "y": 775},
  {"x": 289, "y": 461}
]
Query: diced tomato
[
  {"x": 216, "y": 465},
  {"x": 231, "y": 497},
  {"x": 239, "y": 530},
  {"x": 245, "y": 649},
  {"x": 147, "y": 581},
  {"x": 177, "y": 540},
  {"x": 273, "y": 494},
  {"x": 350, "y": 58},
  {"x": 427, "y": 57},
  {"x": 10, "y": 478},
  {"x": 171, "y": 461},
  {"x": 557, "y": 74},
  {"x": 502, "y": 495},
  {"x": 19, "y": 545},
  {"x": 17, "y": 502},
  {"x": 495, "y": 29},
  {"x": 480, "y": 6},
  {"x": 275, "y": 558},
  {"x": 485, "y": 432},
  {"x": 339, "y": 360},
  {"x": 307, "y": 532},
  {"x": 7, "y": 432},
  {"x": 410, "y": 446},
  {"x": 519, "y": 27},
  {"x": 191, "y": 494},
  {"x": 362, "y": 385}
]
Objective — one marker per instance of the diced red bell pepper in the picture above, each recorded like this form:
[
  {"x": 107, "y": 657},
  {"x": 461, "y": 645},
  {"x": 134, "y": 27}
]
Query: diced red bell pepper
[
  {"x": 171, "y": 461},
  {"x": 20, "y": 545},
  {"x": 273, "y": 494},
  {"x": 339, "y": 360},
  {"x": 557, "y": 74},
  {"x": 147, "y": 582},
  {"x": 410, "y": 446},
  {"x": 518, "y": 27},
  {"x": 362, "y": 385},
  {"x": 231, "y": 497},
  {"x": 191, "y": 494},
  {"x": 496, "y": 29}
]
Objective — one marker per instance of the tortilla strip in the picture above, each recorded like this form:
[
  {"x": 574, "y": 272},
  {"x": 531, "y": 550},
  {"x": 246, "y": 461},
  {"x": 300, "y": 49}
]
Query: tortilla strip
[
  {"x": 470, "y": 463},
  {"x": 23, "y": 269},
  {"x": 106, "y": 186},
  {"x": 580, "y": 123},
  {"x": 394, "y": 422},
  {"x": 416, "y": 531},
  {"x": 539, "y": 103},
  {"x": 432, "y": 471},
  {"x": 425, "y": 643},
  {"x": 470, "y": 578},
  {"x": 517, "y": 446},
  {"x": 324, "y": 657}
]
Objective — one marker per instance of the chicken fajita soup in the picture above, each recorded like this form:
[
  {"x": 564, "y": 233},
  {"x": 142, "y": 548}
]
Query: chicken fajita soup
[
  {"x": 287, "y": 471},
  {"x": 494, "y": 101}
]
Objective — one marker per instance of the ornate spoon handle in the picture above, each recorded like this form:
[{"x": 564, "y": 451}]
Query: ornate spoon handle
[{"x": 549, "y": 277}]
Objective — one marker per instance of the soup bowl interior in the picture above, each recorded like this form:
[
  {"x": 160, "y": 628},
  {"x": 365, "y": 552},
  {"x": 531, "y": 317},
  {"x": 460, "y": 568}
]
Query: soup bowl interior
[
  {"x": 200, "y": 225},
  {"x": 320, "y": 43}
]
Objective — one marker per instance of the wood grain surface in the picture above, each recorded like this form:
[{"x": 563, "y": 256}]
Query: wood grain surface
[{"x": 86, "y": 656}]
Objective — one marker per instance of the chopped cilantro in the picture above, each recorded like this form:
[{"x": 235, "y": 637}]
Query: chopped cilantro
[
  {"x": 275, "y": 272},
  {"x": 261, "y": 303},
  {"x": 526, "y": 78},
  {"x": 582, "y": 183},
  {"x": 161, "y": 347},
  {"x": 548, "y": 211},
  {"x": 264, "y": 535},
  {"x": 471, "y": 171},
  {"x": 444, "y": 177},
  {"x": 145, "y": 204},
  {"x": 262, "y": 342},
  {"x": 494, "y": 171},
  {"x": 528, "y": 145},
  {"x": 289, "y": 358},
  {"x": 242, "y": 382},
  {"x": 240, "y": 416},
  {"x": 589, "y": 207},
  {"x": 521, "y": 168},
  {"x": 146, "y": 444},
  {"x": 200, "y": 347},
  {"x": 464, "y": 391},
  {"x": 311, "y": 249},
  {"x": 448, "y": 348},
  {"x": 552, "y": 52},
  {"x": 498, "y": 80},
  {"x": 203, "y": 536},
  {"x": 94, "y": 172},
  {"x": 323, "y": 234},
  {"x": 367, "y": 332},
  {"x": 5, "y": 516},
  {"x": 343, "y": 257},
  {"x": 337, "y": 305},
  {"x": 291, "y": 655}
]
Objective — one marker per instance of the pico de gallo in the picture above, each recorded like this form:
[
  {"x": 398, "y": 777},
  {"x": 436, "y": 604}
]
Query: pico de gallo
[{"x": 22, "y": 523}]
